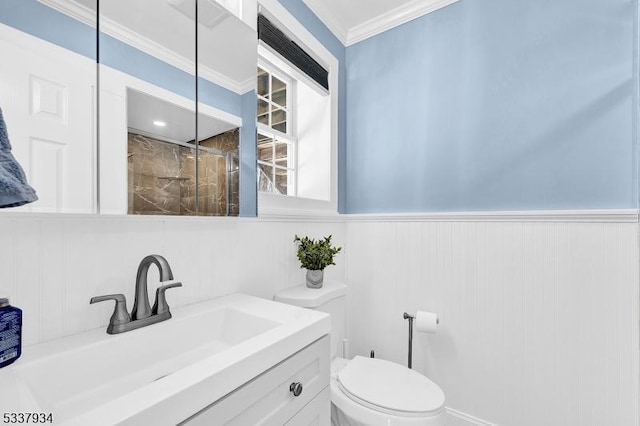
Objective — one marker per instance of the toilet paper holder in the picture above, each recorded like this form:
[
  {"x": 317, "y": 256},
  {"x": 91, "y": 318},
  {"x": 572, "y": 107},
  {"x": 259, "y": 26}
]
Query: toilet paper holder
[
  {"x": 410, "y": 351},
  {"x": 411, "y": 318}
]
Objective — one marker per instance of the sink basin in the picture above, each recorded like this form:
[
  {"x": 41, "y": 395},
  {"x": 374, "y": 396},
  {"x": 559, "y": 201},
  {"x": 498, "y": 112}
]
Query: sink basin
[
  {"x": 74, "y": 381},
  {"x": 204, "y": 352}
]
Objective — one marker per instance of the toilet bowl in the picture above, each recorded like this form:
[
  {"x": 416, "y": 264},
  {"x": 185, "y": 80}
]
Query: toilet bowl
[
  {"x": 372, "y": 392},
  {"x": 368, "y": 391}
]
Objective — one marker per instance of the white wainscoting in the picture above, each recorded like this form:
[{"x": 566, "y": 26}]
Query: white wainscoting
[
  {"x": 53, "y": 264},
  {"x": 539, "y": 313}
]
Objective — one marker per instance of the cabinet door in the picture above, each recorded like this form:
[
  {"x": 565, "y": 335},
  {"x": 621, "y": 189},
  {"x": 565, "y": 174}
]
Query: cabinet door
[
  {"x": 267, "y": 399},
  {"x": 315, "y": 413}
]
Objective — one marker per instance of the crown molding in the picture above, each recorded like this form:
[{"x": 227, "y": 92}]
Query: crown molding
[
  {"x": 168, "y": 56},
  {"x": 393, "y": 18},
  {"x": 377, "y": 25},
  {"x": 136, "y": 40}
]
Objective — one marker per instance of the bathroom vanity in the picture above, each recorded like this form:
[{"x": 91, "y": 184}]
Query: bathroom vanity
[
  {"x": 293, "y": 392},
  {"x": 236, "y": 359}
]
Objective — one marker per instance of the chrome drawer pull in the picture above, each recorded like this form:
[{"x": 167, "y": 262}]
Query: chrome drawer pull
[{"x": 296, "y": 388}]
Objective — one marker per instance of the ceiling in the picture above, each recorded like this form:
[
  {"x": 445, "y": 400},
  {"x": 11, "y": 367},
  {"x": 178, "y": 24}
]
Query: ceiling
[
  {"x": 356, "y": 20},
  {"x": 143, "y": 110}
]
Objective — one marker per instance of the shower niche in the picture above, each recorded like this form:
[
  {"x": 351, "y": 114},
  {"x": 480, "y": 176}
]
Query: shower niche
[{"x": 163, "y": 160}]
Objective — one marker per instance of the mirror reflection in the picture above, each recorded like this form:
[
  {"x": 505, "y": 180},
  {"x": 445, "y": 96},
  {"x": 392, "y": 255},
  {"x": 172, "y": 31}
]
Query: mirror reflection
[
  {"x": 47, "y": 95},
  {"x": 161, "y": 157},
  {"x": 148, "y": 67},
  {"x": 145, "y": 54},
  {"x": 73, "y": 128}
]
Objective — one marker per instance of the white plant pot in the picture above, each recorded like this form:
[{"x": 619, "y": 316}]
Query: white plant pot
[{"x": 314, "y": 278}]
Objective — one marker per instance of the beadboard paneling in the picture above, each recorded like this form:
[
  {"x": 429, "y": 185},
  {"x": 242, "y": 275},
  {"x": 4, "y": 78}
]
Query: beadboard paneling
[
  {"x": 539, "y": 315},
  {"x": 539, "y": 320},
  {"x": 52, "y": 265}
]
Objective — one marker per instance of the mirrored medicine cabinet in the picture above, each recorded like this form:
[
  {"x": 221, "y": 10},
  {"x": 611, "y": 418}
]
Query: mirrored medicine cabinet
[{"x": 117, "y": 107}]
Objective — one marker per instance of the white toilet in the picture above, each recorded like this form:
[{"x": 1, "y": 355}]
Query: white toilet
[{"x": 368, "y": 391}]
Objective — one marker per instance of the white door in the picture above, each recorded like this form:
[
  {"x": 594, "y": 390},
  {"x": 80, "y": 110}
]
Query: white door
[{"x": 47, "y": 98}]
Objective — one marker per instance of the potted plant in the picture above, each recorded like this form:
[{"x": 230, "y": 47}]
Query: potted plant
[{"x": 314, "y": 256}]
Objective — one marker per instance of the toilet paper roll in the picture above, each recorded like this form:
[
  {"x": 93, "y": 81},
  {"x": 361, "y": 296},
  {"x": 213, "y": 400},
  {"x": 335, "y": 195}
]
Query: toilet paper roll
[{"x": 427, "y": 322}]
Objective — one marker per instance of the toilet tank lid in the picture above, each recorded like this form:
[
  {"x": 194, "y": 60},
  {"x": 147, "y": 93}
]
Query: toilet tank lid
[{"x": 311, "y": 297}]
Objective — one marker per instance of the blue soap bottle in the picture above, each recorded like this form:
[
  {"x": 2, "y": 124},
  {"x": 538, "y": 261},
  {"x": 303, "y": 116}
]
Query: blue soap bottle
[{"x": 10, "y": 332}]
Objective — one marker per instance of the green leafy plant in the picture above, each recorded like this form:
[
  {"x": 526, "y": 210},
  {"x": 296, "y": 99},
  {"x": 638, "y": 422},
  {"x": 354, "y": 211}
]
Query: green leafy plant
[{"x": 316, "y": 255}]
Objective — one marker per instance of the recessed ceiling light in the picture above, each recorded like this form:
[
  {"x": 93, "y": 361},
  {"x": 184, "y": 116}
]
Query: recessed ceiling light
[{"x": 159, "y": 123}]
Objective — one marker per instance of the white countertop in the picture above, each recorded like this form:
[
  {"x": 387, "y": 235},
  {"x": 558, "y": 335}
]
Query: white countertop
[{"x": 204, "y": 371}]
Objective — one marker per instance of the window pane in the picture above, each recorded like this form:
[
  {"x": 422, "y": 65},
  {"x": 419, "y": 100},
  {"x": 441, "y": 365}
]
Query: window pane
[
  {"x": 265, "y": 152},
  {"x": 263, "y": 83},
  {"x": 279, "y": 120},
  {"x": 263, "y": 139},
  {"x": 278, "y": 85},
  {"x": 282, "y": 154},
  {"x": 265, "y": 178},
  {"x": 280, "y": 99},
  {"x": 279, "y": 94},
  {"x": 281, "y": 180},
  {"x": 263, "y": 112}
]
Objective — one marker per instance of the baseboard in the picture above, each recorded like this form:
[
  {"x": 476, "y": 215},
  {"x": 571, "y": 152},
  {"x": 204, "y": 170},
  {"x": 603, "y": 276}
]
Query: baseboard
[{"x": 458, "y": 418}]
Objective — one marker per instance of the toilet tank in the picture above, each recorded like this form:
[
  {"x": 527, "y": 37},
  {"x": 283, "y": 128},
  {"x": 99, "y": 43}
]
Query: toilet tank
[{"x": 330, "y": 298}]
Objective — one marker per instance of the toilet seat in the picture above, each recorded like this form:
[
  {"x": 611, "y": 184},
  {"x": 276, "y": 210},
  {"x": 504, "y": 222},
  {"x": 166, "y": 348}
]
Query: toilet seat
[{"x": 390, "y": 388}]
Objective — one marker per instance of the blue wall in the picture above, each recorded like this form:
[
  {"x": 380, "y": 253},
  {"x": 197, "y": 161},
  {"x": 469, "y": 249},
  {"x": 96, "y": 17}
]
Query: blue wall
[
  {"x": 248, "y": 156},
  {"x": 496, "y": 105},
  {"x": 36, "y": 19}
]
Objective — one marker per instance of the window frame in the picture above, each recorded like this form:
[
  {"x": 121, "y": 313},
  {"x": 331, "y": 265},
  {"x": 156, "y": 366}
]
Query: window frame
[{"x": 275, "y": 204}]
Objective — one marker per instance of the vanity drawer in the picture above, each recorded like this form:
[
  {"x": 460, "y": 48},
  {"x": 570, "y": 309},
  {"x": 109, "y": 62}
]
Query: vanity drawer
[
  {"x": 267, "y": 399},
  {"x": 315, "y": 413}
]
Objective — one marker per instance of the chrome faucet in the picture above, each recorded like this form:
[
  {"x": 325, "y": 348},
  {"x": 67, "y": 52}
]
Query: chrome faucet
[{"x": 142, "y": 313}]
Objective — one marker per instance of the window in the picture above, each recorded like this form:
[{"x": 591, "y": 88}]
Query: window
[
  {"x": 297, "y": 120},
  {"x": 293, "y": 121},
  {"x": 276, "y": 146}
]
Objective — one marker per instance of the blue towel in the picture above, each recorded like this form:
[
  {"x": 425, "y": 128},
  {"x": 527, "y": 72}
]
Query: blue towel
[{"x": 14, "y": 189}]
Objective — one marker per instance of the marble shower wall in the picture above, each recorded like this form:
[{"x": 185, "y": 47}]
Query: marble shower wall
[
  {"x": 214, "y": 179},
  {"x": 161, "y": 177}
]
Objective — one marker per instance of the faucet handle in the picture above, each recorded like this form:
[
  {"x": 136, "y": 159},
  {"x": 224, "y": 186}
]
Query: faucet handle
[
  {"x": 120, "y": 314},
  {"x": 161, "y": 306}
]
